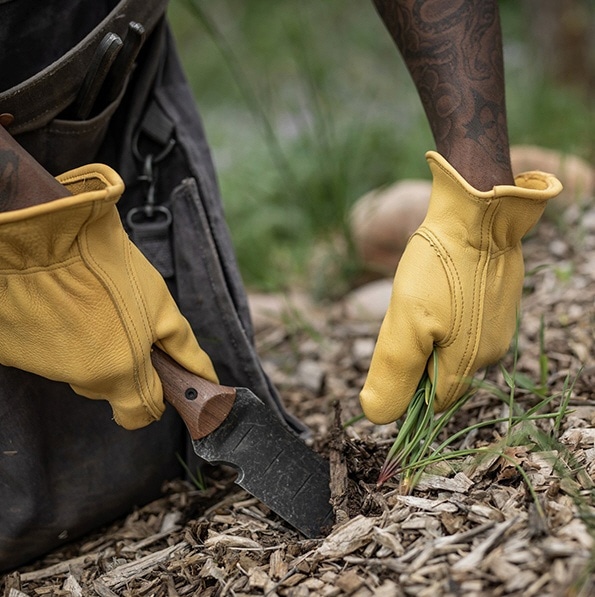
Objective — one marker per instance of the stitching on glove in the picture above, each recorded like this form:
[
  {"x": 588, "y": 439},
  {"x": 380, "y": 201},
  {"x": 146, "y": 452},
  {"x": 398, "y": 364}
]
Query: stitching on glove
[
  {"x": 481, "y": 274},
  {"x": 117, "y": 303},
  {"x": 86, "y": 178},
  {"x": 145, "y": 321},
  {"x": 453, "y": 278}
]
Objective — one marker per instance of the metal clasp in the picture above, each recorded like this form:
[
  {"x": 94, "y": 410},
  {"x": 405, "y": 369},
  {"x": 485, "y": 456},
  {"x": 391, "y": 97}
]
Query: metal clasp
[
  {"x": 149, "y": 175},
  {"x": 150, "y": 222}
]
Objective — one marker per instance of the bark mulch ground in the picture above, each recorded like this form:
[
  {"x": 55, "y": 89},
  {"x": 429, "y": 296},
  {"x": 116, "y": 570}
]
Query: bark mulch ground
[{"x": 517, "y": 522}]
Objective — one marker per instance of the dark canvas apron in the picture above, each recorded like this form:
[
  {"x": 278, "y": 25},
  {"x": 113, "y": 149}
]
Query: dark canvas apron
[{"x": 65, "y": 466}]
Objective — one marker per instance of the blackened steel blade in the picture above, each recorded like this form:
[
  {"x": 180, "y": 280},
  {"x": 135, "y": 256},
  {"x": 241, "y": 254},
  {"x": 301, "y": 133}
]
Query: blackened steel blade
[{"x": 273, "y": 464}]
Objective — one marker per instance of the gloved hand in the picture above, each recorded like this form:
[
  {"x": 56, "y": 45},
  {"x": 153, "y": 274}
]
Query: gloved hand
[
  {"x": 80, "y": 304},
  {"x": 457, "y": 288}
]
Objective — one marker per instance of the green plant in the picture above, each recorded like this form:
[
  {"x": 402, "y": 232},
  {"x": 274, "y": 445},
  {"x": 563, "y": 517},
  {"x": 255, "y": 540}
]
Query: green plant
[
  {"x": 416, "y": 445},
  {"x": 195, "y": 477}
]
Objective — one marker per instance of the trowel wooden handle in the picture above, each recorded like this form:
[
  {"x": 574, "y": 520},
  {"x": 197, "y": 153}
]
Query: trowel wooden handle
[{"x": 202, "y": 404}]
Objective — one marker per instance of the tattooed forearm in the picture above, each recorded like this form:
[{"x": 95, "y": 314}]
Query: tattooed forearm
[
  {"x": 9, "y": 166},
  {"x": 453, "y": 51}
]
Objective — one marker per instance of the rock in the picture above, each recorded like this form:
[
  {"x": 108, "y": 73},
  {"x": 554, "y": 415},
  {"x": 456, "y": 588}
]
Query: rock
[
  {"x": 558, "y": 248},
  {"x": 269, "y": 310},
  {"x": 310, "y": 375},
  {"x": 576, "y": 175},
  {"x": 369, "y": 302},
  {"x": 362, "y": 350},
  {"x": 383, "y": 220}
]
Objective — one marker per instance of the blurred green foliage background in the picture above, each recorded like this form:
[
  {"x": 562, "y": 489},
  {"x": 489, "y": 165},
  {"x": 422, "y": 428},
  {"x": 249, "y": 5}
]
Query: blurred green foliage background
[{"x": 308, "y": 105}]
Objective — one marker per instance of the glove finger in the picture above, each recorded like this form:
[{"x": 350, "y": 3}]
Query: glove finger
[
  {"x": 176, "y": 338},
  {"x": 186, "y": 351},
  {"x": 130, "y": 410},
  {"x": 398, "y": 363},
  {"x": 170, "y": 329}
]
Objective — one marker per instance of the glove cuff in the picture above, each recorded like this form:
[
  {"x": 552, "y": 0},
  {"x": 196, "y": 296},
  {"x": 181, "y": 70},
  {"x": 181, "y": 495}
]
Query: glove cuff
[
  {"x": 90, "y": 178},
  {"x": 44, "y": 235},
  {"x": 507, "y": 212}
]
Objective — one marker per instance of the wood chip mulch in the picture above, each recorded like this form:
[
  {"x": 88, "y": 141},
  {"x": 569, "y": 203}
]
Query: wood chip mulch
[{"x": 472, "y": 527}]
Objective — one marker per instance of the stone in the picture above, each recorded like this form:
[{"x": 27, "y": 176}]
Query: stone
[
  {"x": 270, "y": 310},
  {"x": 576, "y": 175},
  {"x": 383, "y": 220},
  {"x": 369, "y": 302}
]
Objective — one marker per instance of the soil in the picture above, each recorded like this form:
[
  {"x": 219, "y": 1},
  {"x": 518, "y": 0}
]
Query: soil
[{"x": 519, "y": 522}]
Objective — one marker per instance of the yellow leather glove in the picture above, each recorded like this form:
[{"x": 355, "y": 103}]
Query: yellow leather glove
[
  {"x": 457, "y": 288},
  {"x": 80, "y": 304}
]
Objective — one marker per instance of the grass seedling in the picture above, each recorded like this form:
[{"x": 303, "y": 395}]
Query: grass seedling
[
  {"x": 196, "y": 477},
  {"x": 418, "y": 425},
  {"x": 353, "y": 420},
  {"x": 566, "y": 395},
  {"x": 416, "y": 446}
]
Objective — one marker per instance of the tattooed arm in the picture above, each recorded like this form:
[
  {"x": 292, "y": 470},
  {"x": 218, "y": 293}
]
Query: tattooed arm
[{"x": 453, "y": 50}]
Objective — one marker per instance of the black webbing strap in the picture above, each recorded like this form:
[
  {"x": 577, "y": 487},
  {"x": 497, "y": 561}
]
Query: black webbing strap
[{"x": 150, "y": 223}]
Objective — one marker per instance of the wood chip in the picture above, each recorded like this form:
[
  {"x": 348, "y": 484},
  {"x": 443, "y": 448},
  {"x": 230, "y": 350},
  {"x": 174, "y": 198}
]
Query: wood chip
[
  {"x": 488, "y": 512},
  {"x": 388, "y": 540},
  {"x": 349, "y": 582},
  {"x": 231, "y": 541},
  {"x": 473, "y": 559},
  {"x": 501, "y": 567},
  {"x": 60, "y": 568},
  {"x": 464, "y": 536},
  {"x": 119, "y": 576},
  {"x": 102, "y": 590},
  {"x": 519, "y": 582},
  {"x": 293, "y": 580},
  {"x": 258, "y": 578},
  {"x": 388, "y": 589},
  {"x": 147, "y": 541},
  {"x": 278, "y": 565},
  {"x": 577, "y": 531},
  {"x": 338, "y": 467},
  {"x": 210, "y": 570},
  {"x": 347, "y": 538},
  {"x": 313, "y": 584},
  {"x": 427, "y": 504},
  {"x": 460, "y": 483},
  {"x": 72, "y": 587}
]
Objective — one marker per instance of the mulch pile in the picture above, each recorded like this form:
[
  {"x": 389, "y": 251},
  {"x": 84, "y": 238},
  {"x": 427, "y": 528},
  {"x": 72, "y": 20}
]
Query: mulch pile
[{"x": 471, "y": 527}]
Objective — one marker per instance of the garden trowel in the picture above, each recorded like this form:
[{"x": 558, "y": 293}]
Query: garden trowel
[{"x": 233, "y": 426}]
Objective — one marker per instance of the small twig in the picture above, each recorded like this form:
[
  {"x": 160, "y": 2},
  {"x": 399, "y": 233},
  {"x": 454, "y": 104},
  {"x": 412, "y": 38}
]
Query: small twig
[{"x": 338, "y": 466}]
